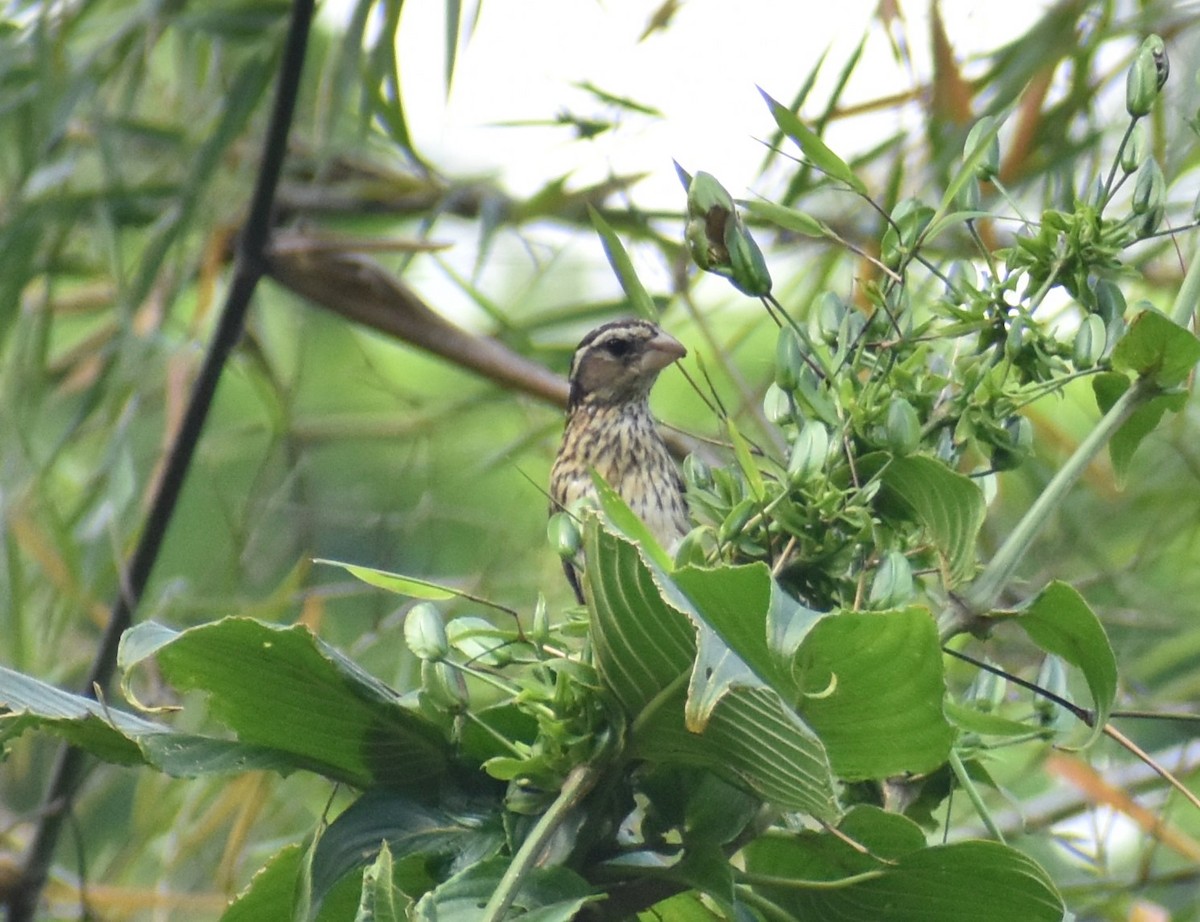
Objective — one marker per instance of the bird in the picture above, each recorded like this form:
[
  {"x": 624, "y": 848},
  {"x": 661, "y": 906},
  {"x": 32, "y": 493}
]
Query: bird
[{"x": 610, "y": 430}]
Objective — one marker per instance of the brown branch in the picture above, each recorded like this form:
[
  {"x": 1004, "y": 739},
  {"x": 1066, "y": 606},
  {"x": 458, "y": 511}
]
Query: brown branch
[{"x": 359, "y": 289}]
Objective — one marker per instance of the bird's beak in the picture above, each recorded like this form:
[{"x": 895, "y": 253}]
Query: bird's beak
[{"x": 662, "y": 350}]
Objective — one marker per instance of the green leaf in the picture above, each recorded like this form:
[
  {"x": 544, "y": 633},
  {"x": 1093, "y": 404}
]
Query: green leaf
[
  {"x": 627, "y": 521},
  {"x": 269, "y": 895},
  {"x": 875, "y": 688},
  {"x": 798, "y": 222},
  {"x": 1157, "y": 348},
  {"x": 126, "y": 739},
  {"x": 1108, "y": 388},
  {"x": 381, "y": 901},
  {"x": 622, "y": 265},
  {"x": 645, "y": 632},
  {"x": 984, "y": 724},
  {"x": 1059, "y": 621},
  {"x": 408, "y": 827},
  {"x": 948, "y": 505},
  {"x": 817, "y": 876},
  {"x": 394, "y": 582},
  {"x": 552, "y": 894},
  {"x": 812, "y": 146},
  {"x": 741, "y": 451},
  {"x": 285, "y": 689}
]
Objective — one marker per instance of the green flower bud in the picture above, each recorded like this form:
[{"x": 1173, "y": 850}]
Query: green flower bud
[
  {"x": 748, "y": 269},
  {"x": 893, "y": 582},
  {"x": 708, "y": 258},
  {"x": 1149, "y": 189},
  {"x": 563, "y": 532},
  {"x": 704, "y": 194},
  {"x": 1110, "y": 300},
  {"x": 789, "y": 359},
  {"x": 1134, "y": 151},
  {"x": 777, "y": 405},
  {"x": 830, "y": 311},
  {"x": 539, "y": 631},
  {"x": 989, "y": 165},
  {"x": 1053, "y": 678},
  {"x": 987, "y": 691},
  {"x": 737, "y": 519},
  {"x": 1015, "y": 445},
  {"x": 425, "y": 633},
  {"x": 809, "y": 451},
  {"x": 902, "y": 428},
  {"x": 692, "y": 550},
  {"x": 443, "y": 685},
  {"x": 1014, "y": 342},
  {"x": 969, "y": 197},
  {"x": 696, "y": 472},
  {"x": 1090, "y": 341},
  {"x": 1146, "y": 76}
]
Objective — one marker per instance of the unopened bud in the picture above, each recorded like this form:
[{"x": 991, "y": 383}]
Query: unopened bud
[{"x": 1146, "y": 76}]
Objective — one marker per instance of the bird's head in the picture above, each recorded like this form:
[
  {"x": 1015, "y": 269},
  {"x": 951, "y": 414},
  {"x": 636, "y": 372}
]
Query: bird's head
[{"x": 618, "y": 362}]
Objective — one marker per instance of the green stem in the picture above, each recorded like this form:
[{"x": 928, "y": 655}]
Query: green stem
[
  {"x": 1188, "y": 298},
  {"x": 981, "y": 595},
  {"x": 574, "y": 789},
  {"x": 960, "y": 772}
]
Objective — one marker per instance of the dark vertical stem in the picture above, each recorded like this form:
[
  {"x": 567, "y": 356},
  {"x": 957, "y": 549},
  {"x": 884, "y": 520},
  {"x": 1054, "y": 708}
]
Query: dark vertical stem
[{"x": 250, "y": 262}]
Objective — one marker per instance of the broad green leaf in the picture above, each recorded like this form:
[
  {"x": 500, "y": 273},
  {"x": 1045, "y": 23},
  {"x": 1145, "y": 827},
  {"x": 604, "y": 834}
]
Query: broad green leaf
[
  {"x": 268, "y": 897},
  {"x": 1108, "y": 388},
  {"x": 813, "y": 147},
  {"x": 625, "y": 519},
  {"x": 126, "y": 739},
  {"x": 817, "y": 876},
  {"x": 1157, "y": 348},
  {"x": 622, "y": 265},
  {"x": 409, "y": 828},
  {"x": 798, "y": 222},
  {"x": 646, "y": 652},
  {"x": 642, "y": 646},
  {"x": 394, "y": 582},
  {"x": 948, "y": 505},
  {"x": 547, "y": 894},
  {"x": 1059, "y": 621},
  {"x": 283, "y": 688},
  {"x": 875, "y": 688}
]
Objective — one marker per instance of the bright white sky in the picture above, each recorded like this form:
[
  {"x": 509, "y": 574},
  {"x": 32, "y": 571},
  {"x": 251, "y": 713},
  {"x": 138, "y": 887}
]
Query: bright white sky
[
  {"x": 701, "y": 72},
  {"x": 523, "y": 58}
]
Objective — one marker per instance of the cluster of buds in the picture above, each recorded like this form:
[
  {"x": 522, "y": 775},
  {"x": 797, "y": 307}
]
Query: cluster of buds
[{"x": 717, "y": 238}]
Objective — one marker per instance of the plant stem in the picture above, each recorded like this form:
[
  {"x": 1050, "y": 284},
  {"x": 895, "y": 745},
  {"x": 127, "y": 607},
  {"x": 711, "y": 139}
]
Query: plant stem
[
  {"x": 981, "y": 595},
  {"x": 1188, "y": 298},
  {"x": 960, "y": 772},
  {"x": 574, "y": 789}
]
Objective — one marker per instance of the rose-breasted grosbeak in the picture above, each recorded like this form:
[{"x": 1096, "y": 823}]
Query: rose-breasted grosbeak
[{"x": 610, "y": 429}]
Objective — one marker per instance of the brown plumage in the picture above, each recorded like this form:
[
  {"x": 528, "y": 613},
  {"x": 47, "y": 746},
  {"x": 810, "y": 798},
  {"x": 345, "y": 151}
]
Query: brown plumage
[{"x": 610, "y": 429}]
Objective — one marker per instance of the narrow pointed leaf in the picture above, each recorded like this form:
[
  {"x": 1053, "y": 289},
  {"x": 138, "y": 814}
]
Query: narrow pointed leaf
[
  {"x": 622, "y": 265},
  {"x": 813, "y": 147}
]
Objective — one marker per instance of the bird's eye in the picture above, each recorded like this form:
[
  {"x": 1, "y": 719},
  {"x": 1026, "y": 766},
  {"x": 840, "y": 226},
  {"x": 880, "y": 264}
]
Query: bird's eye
[{"x": 618, "y": 348}]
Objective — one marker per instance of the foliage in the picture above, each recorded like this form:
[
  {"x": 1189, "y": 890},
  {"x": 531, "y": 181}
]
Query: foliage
[{"x": 797, "y": 713}]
